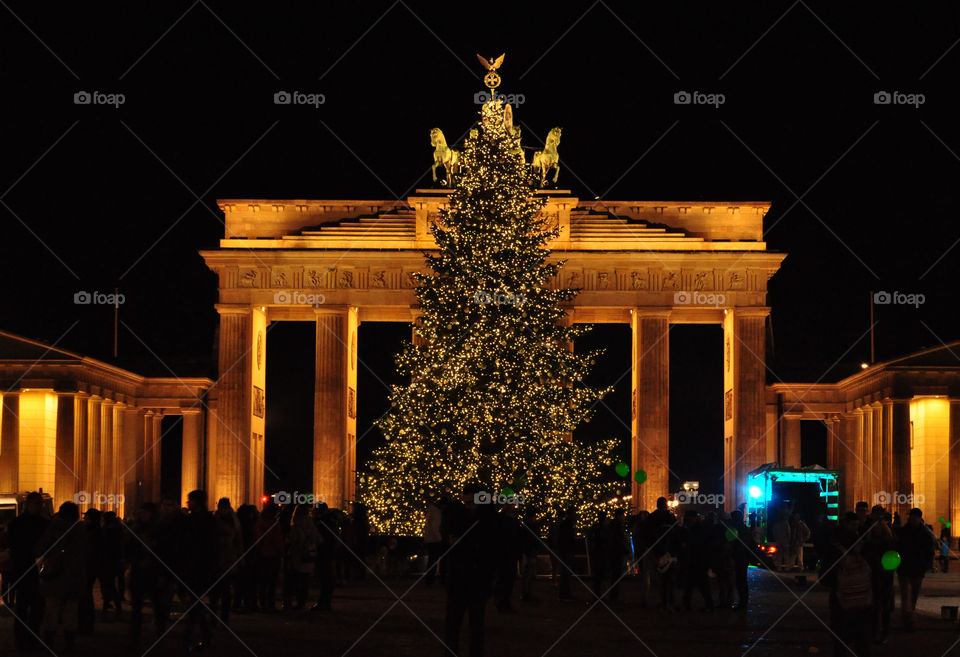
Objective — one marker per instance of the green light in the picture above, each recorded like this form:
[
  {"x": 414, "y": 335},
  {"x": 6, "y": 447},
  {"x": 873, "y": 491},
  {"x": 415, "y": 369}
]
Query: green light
[{"x": 622, "y": 469}]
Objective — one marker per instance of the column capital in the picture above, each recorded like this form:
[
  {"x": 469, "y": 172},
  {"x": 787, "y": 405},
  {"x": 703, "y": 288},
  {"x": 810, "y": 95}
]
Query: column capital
[
  {"x": 751, "y": 311},
  {"x": 233, "y": 308},
  {"x": 334, "y": 309},
  {"x": 793, "y": 415},
  {"x": 651, "y": 312}
]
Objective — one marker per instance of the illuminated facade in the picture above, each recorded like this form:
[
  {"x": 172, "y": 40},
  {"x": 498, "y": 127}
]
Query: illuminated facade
[
  {"x": 86, "y": 431},
  {"x": 893, "y": 431},
  {"x": 337, "y": 263}
]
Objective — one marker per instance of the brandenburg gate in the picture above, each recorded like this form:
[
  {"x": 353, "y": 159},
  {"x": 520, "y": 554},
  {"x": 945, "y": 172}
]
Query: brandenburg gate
[{"x": 338, "y": 263}]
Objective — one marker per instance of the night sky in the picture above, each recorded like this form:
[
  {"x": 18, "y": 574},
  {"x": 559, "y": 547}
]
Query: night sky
[{"x": 96, "y": 197}]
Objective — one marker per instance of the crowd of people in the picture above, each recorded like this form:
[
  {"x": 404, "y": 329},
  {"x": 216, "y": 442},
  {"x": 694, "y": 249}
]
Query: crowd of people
[
  {"x": 205, "y": 562},
  {"x": 208, "y": 564}
]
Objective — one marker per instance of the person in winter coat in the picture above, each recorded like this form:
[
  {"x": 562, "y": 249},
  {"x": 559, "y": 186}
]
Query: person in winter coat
[
  {"x": 799, "y": 535},
  {"x": 915, "y": 544},
  {"x": 230, "y": 542},
  {"x": 62, "y": 573},
  {"x": 879, "y": 541},
  {"x": 302, "y": 544},
  {"x": 269, "y": 537},
  {"x": 23, "y": 535}
]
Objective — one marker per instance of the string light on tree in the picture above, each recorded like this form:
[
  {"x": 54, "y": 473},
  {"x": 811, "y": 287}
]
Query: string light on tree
[{"x": 494, "y": 391}]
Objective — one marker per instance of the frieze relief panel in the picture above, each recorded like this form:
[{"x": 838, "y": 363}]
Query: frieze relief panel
[{"x": 655, "y": 279}]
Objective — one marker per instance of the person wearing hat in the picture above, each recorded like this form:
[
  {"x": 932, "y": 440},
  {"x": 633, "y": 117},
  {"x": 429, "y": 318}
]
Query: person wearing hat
[{"x": 915, "y": 544}]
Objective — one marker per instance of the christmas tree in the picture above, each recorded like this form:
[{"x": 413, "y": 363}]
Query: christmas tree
[{"x": 494, "y": 390}]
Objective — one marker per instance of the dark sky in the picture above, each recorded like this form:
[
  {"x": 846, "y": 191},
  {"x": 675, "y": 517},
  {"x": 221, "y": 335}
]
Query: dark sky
[{"x": 96, "y": 197}]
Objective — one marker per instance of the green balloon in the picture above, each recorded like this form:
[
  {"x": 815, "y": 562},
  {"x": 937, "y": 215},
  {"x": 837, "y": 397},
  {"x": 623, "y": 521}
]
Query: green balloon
[
  {"x": 507, "y": 491},
  {"x": 947, "y": 524},
  {"x": 640, "y": 476},
  {"x": 942, "y": 520},
  {"x": 890, "y": 560},
  {"x": 622, "y": 469},
  {"x": 730, "y": 535}
]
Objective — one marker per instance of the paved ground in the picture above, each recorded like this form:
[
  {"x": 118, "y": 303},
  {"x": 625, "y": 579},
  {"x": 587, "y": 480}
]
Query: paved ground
[{"x": 368, "y": 620}]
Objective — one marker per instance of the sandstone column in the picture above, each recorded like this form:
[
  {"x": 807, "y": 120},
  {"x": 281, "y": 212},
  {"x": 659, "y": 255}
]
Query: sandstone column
[
  {"x": 876, "y": 422},
  {"x": 190, "y": 458},
  {"x": 954, "y": 464},
  {"x": 81, "y": 432},
  {"x": 105, "y": 485},
  {"x": 791, "y": 440},
  {"x": 334, "y": 410},
  {"x": 750, "y": 436},
  {"x": 850, "y": 448},
  {"x": 887, "y": 446},
  {"x": 94, "y": 439},
  {"x": 67, "y": 483},
  {"x": 902, "y": 481},
  {"x": 131, "y": 461},
  {"x": 156, "y": 472},
  {"x": 234, "y": 396},
  {"x": 650, "y": 404},
  {"x": 150, "y": 450},
  {"x": 10, "y": 442}
]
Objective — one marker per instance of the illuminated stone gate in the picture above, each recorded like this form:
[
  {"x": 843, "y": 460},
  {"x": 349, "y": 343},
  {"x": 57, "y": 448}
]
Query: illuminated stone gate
[{"x": 338, "y": 263}]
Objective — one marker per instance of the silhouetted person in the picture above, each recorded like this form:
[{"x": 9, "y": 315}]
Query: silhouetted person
[
  {"x": 566, "y": 547},
  {"x": 945, "y": 549},
  {"x": 140, "y": 550},
  {"x": 799, "y": 535},
  {"x": 743, "y": 554},
  {"x": 471, "y": 531},
  {"x": 530, "y": 546},
  {"x": 720, "y": 558},
  {"x": 301, "y": 558},
  {"x": 662, "y": 539},
  {"x": 327, "y": 541},
  {"x": 851, "y": 594},
  {"x": 615, "y": 547},
  {"x": 693, "y": 559},
  {"x": 433, "y": 539},
  {"x": 201, "y": 567},
  {"x": 91, "y": 523},
  {"x": 878, "y": 541},
  {"x": 245, "y": 599},
  {"x": 508, "y": 555},
  {"x": 643, "y": 556},
  {"x": 62, "y": 574},
  {"x": 269, "y": 537},
  {"x": 230, "y": 543},
  {"x": 109, "y": 568},
  {"x": 170, "y": 558},
  {"x": 915, "y": 544},
  {"x": 24, "y": 534}
]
